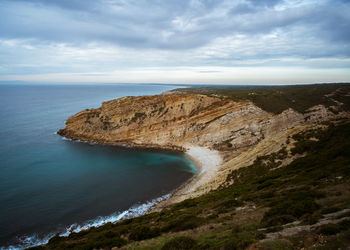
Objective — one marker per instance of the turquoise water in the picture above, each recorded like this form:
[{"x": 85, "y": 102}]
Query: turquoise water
[{"x": 51, "y": 185}]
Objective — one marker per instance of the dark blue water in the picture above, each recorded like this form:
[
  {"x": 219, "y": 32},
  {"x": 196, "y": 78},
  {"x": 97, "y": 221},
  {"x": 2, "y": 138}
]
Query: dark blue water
[{"x": 48, "y": 184}]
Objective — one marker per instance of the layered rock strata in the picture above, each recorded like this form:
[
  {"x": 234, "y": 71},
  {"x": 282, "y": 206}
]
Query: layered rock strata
[{"x": 238, "y": 130}]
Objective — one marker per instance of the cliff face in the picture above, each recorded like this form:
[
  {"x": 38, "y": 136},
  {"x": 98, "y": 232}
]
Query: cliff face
[
  {"x": 239, "y": 131},
  {"x": 182, "y": 120},
  {"x": 156, "y": 121}
]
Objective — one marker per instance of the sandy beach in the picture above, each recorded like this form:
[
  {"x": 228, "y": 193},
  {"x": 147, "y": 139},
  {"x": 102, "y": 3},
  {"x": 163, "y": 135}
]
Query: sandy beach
[{"x": 208, "y": 163}]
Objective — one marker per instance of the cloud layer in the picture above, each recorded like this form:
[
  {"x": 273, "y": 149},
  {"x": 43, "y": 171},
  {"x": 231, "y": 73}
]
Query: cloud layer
[{"x": 42, "y": 37}]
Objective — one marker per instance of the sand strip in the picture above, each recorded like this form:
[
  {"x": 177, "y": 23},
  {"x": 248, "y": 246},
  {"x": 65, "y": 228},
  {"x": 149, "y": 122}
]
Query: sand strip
[{"x": 208, "y": 162}]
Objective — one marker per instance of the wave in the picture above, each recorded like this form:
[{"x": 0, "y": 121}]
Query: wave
[
  {"x": 77, "y": 140},
  {"x": 132, "y": 212},
  {"x": 66, "y": 139}
]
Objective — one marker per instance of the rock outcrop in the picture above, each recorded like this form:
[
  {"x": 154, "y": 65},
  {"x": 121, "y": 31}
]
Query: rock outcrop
[{"x": 180, "y": 120}]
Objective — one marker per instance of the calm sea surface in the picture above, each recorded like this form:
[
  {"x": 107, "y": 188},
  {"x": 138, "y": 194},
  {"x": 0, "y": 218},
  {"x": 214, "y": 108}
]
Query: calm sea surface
[{"x": 50, "y": 185}]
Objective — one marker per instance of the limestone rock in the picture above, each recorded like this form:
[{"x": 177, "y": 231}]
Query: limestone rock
[{"x": 177, "y": 120}]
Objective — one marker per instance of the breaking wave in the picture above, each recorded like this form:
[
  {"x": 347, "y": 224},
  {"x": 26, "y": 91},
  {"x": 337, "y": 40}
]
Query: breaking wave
[{"x": 134, "y": 211}]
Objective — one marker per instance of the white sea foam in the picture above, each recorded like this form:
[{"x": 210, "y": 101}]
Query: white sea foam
[
  {"x": 134, "y": 211},
  {"x": 66, "y": 139},
  {"x": 69, "y": 139}
]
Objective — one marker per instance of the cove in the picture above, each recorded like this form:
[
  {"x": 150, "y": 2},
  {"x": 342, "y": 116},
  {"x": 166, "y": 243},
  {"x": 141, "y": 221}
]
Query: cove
[{"x": 50, "y": 185}]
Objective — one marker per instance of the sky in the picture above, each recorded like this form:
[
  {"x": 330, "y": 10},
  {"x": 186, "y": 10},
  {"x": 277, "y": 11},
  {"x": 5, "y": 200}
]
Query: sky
[{"x": 175, "y": 41}]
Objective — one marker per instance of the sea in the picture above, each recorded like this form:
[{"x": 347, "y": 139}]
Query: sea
[{"x": 50, "y": 185}]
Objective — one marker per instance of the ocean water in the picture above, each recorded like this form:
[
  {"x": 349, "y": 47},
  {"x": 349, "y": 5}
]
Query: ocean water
[{"x": 51, "y": 185}]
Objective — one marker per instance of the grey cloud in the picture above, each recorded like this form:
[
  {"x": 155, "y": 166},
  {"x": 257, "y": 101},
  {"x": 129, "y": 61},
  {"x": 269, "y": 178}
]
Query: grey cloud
[
  {"x": 64, "y": 4},
  {"x": 128, "y": 24},
  {"x": 314, "y": 30},
  {"x": 147, "y": 24},
  {"x": 264, "y": 3}
]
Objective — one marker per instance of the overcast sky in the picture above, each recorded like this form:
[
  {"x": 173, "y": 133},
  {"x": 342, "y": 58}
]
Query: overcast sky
[{"x": 175, "y": 41}]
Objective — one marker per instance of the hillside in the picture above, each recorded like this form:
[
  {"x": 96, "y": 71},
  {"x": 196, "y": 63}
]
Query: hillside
[
  {"x": 276, "y": 99},
  {"x": 284, "y": 167}
]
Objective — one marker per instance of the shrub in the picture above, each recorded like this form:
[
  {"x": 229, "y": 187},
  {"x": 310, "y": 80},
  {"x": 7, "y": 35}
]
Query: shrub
[
  {"x": 98, "y": 243},
  {"x": 143, "y": 232},
  {"x": 329, "y": 210},
  {"x": 186, "y": 204},
  {"x": 274, "y": 229},
  {"x": 110, "y": 234},
  {"x": 311, "y": 218},
  {"x": 229, "y": 203},
  {"x": 345, "y": 224},
  {"x": 138, "y": 116},
  {"x": 302, "y": 146},
  {"x": 241, "y": 240},
  {"x": 289, "y": 210},
  {"x": 181, "y": 242},
  {"x": 329, "y": 229},
  {"x": 269, "y": 221},
  {"x": 183, "y": 222}
]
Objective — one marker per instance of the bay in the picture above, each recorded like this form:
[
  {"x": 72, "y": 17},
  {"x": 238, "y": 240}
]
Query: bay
[{"x": 51, "y": 185}]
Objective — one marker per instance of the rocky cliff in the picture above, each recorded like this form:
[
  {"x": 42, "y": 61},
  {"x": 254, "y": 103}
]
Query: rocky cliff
[
  {"x": 182, "y": 120},
  {"x": 239, "y": 130}
]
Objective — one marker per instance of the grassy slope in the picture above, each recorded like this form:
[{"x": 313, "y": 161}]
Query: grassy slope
[
  {"x": 277, "y": 99},
  {"x": 263, "y": 199}
]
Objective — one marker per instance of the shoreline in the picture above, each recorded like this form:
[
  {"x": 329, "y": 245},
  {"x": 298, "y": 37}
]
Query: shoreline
[
  {"x": 207, "y": 162},
  {"x": 130, "y": 146},
  {"x": 136, "y": 210}
]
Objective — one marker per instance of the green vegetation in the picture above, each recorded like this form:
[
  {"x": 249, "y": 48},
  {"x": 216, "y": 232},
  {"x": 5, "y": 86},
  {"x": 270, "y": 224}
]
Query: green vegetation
[
  {"x": 138, "y": 117},
  {"x": 329, "y": 229},
  {"x": 276, "y": 99},
  {"x": 179, "y": 243},
  {"x": 263, "y": 198}
]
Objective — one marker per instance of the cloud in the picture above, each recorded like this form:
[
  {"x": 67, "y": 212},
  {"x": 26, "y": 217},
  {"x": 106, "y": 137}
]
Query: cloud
[
  {"x": 165, "y": 24},
  {"x": 72, "y": 36}
]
